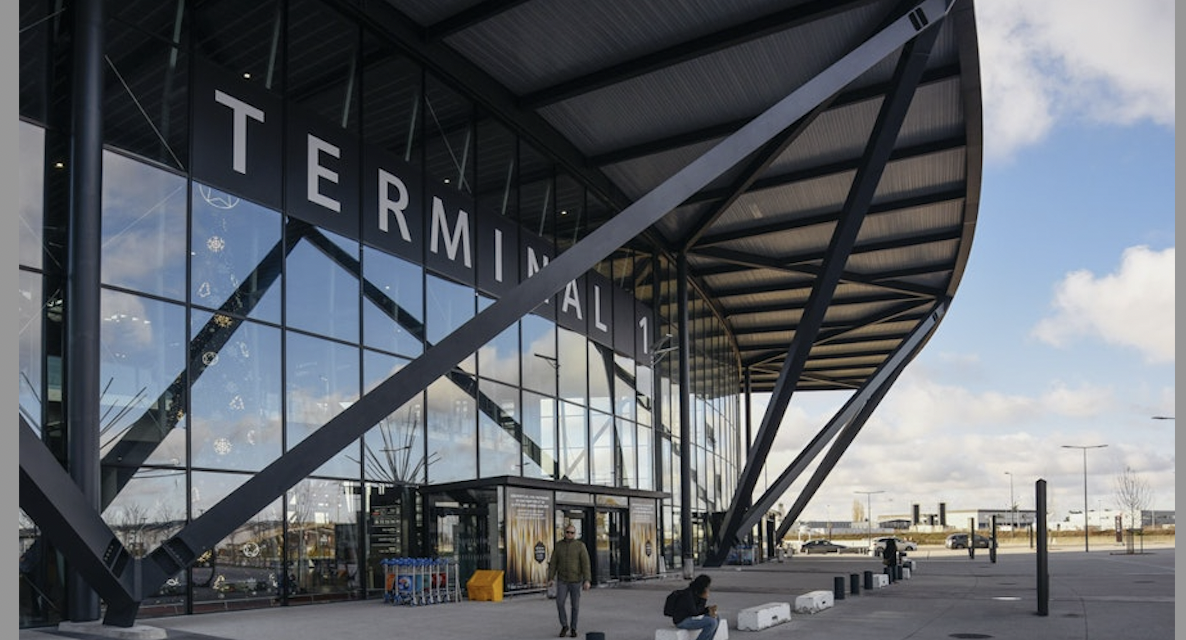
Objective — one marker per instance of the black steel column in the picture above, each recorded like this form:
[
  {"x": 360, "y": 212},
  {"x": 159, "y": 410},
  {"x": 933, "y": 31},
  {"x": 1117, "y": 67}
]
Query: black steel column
[
  {"x": 1043, "y": 553},
  {"x": 81, "y": 359},
  {"x": 685, "y": 414}
]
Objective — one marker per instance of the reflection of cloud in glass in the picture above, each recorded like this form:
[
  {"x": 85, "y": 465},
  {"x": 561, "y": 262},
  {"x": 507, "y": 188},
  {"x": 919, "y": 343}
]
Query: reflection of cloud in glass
[{"x": 143, "y": 226}]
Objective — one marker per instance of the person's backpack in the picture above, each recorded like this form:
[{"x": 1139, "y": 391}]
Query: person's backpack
[{"x": 672, "y": 603}]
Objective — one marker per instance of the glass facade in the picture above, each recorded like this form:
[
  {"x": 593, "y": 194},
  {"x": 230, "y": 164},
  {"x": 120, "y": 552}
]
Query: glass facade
[{"x": 234, "y": 325}]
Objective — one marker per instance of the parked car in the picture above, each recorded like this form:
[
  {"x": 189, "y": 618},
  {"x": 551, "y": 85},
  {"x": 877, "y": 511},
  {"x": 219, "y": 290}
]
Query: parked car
[
  {"x": 821, "y": 546},
  {"x": 878, "y": 545},
  {"x": 960, "y": 541}
]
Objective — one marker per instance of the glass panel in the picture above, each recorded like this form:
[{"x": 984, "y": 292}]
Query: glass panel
[
  {"x": 448, "y": 126},
  {"x": 322, "y": 538},
  {"x": 499, "y": 358},
  {"x": 146, "y": 99},
  {"x": 601, "y": 364},
  {"x": 235, "y": 410},
  {"x": 149, "y": 510},
  {"x": 393, "y": 316},
  {"x": 571, "y": 366},
  {"x": 539, "y": 354},
  {"x": 393, "y": 450},
  {"x": 244, "y": 39},
  {"x": 535, "y": 192},
  {"x": 30, "y": 195},
  {"x": 625, "y": 386},
  {"x": 571, "y": 223},
  {"x": 142, "y": 353},
  {"x": 236, "y": 255},
  {"x": 602, "y": 429},
  {"x": 646, "y": 458},
  {"x": 627, "y": 465},
  {"x": 323, "y": 62},
  {"x": 321, "y": 380},
  {"x": 391, "y": 97},
  {"x": 247, "y": 564},
  {"x": 323, "y": 292},
  {"x": 449, "y": 306},
  {"x": 574, "y": 455},
  {"x": 498, "y": 430},
  {"x": 497, "y": 151},
  {"x": 29, "y": 311},
  {"x": 143, "y": 219},
  {"x": 539, "y": 436},
  {"x": 35, "y": 36},
  {"x": 452, "y": 426}
]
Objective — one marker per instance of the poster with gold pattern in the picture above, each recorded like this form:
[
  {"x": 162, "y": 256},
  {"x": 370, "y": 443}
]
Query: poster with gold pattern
[
  {"x": 643, "y": 533},
  {"x": 529, "y": 537}
]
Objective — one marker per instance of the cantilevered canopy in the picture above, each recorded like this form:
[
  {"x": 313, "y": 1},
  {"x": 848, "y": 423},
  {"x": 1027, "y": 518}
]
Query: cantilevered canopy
[{"x": 630, "y": 91}]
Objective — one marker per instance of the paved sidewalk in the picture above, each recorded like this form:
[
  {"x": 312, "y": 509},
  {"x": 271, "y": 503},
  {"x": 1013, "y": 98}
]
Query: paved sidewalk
[{"x": 1092, "y": 596}]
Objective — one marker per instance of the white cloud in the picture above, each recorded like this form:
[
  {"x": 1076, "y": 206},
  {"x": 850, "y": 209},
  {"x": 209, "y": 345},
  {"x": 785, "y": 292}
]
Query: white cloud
[
  {"x": 1069, "y": 59},
  {"x": 1133, "y": 307}
]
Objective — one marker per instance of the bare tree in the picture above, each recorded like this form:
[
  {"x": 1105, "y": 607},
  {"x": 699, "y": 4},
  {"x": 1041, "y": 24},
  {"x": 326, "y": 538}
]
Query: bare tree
[
  {"x": 858, "y": 510},
  {"x": 1132, "y": 494}
]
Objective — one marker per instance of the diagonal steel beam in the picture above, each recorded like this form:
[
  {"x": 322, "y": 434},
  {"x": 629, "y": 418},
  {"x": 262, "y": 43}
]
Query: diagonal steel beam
[
  {"x": 889, "y": 120},
  {"x": 851, "y": 417},
  {"x": 214, "y": 524},
  {"x": 70, "y": 523}
]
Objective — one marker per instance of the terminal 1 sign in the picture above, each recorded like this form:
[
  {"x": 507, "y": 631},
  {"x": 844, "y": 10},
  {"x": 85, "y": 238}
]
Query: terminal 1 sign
[{"x": 250, "y": 142}]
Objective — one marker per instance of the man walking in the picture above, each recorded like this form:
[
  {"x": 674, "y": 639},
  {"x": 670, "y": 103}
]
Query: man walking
[{"x": 569, "y": 567}]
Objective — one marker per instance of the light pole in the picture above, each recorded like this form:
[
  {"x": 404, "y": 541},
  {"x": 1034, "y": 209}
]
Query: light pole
[
  {"x": 1084, "y": 448},
  {"x": 869, "y": 512},
  {"x": 1012, "y": 506}
]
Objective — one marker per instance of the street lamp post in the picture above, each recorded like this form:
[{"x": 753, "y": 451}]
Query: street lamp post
[
  {"x": 1012, "y": 507},
  {"x": 1084, "y": 448},
  {"x": 869, "y": 513}
]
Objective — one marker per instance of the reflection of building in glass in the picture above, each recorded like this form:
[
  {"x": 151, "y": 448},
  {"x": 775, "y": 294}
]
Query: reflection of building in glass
[{"x": 302, "y": 273}]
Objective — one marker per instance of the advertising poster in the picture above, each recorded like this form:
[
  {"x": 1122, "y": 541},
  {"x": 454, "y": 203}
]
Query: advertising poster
[
  {"x": 529, "y": 538},
  {"x": 643, "y": 532}
]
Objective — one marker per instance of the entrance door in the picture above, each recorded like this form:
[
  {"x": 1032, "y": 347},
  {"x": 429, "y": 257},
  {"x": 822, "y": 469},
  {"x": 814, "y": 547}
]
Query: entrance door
[{"x": 610, "y": 527}]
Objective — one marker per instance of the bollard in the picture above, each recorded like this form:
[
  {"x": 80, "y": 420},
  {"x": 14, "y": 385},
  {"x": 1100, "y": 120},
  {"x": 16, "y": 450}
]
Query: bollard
[
  {"x": 854, "y": 584},
  {"x": 868, "y": 580},
  {"x": 889, "y": 572},
  {"x": 838, "y": 588},
  {"x": 897, "y": 572}
]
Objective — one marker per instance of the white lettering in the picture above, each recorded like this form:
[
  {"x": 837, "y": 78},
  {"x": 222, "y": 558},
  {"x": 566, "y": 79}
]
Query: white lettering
[
  {"x": 460, "y": 237},
  {"x": 498, "y": 255},
  {"x": 317, "y": 172},
  {"x": 572, "y": 299},
  {"x": 646, "y": 345},
  {"x": 597, "y": 310},
  {"x": 389, "y": 207},
  {"x": 242, "y": 112}
]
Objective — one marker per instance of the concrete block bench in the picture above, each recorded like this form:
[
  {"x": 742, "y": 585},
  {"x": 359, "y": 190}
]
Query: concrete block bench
[
  {"x": 905, "y": 573},
  {"x": 814, "y": 601},
  {"x": 673, "y": 633},
  {"x": 880, "y": 580},
  {"x": 763, "y": 616}
]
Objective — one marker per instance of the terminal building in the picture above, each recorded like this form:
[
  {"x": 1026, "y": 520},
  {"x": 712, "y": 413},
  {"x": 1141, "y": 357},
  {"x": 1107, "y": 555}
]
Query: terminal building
[{"x": 307, "y": 285}]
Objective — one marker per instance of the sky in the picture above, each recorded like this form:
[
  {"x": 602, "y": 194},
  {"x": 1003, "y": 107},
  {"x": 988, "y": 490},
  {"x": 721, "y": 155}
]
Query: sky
[{"x": 1062, "y": 330}]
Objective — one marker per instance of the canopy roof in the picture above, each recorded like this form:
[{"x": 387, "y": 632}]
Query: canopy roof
[{"x": 628, "y": 92}]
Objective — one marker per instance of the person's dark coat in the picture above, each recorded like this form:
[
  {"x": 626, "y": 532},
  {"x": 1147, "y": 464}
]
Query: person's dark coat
[
  {"x": 890, "y": 554},
  {"x": 689, "y": 605}
]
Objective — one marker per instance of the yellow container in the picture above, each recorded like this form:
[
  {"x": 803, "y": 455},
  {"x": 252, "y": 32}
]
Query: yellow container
[{"x": 485, "y": 584}]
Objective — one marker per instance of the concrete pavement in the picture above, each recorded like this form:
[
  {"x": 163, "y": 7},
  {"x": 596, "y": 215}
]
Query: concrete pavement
[{"x": 1097, "y": 595}]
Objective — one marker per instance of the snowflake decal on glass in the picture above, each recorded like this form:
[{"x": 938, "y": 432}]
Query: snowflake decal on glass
[
  {"x": 222, "y": 446},
  {"x": 237, "y": 403},
  {"x": 215, "y": 244},
  {"x": 210, "y": 358},
  {"x": 223, "y": 321}
]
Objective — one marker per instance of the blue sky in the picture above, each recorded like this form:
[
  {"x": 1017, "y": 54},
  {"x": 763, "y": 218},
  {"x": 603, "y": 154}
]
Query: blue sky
[{"x": 1062, "y": 330}]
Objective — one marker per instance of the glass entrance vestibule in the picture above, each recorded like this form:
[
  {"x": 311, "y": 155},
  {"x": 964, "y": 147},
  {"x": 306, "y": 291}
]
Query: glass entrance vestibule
[{"x": 511, "y": 524}]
